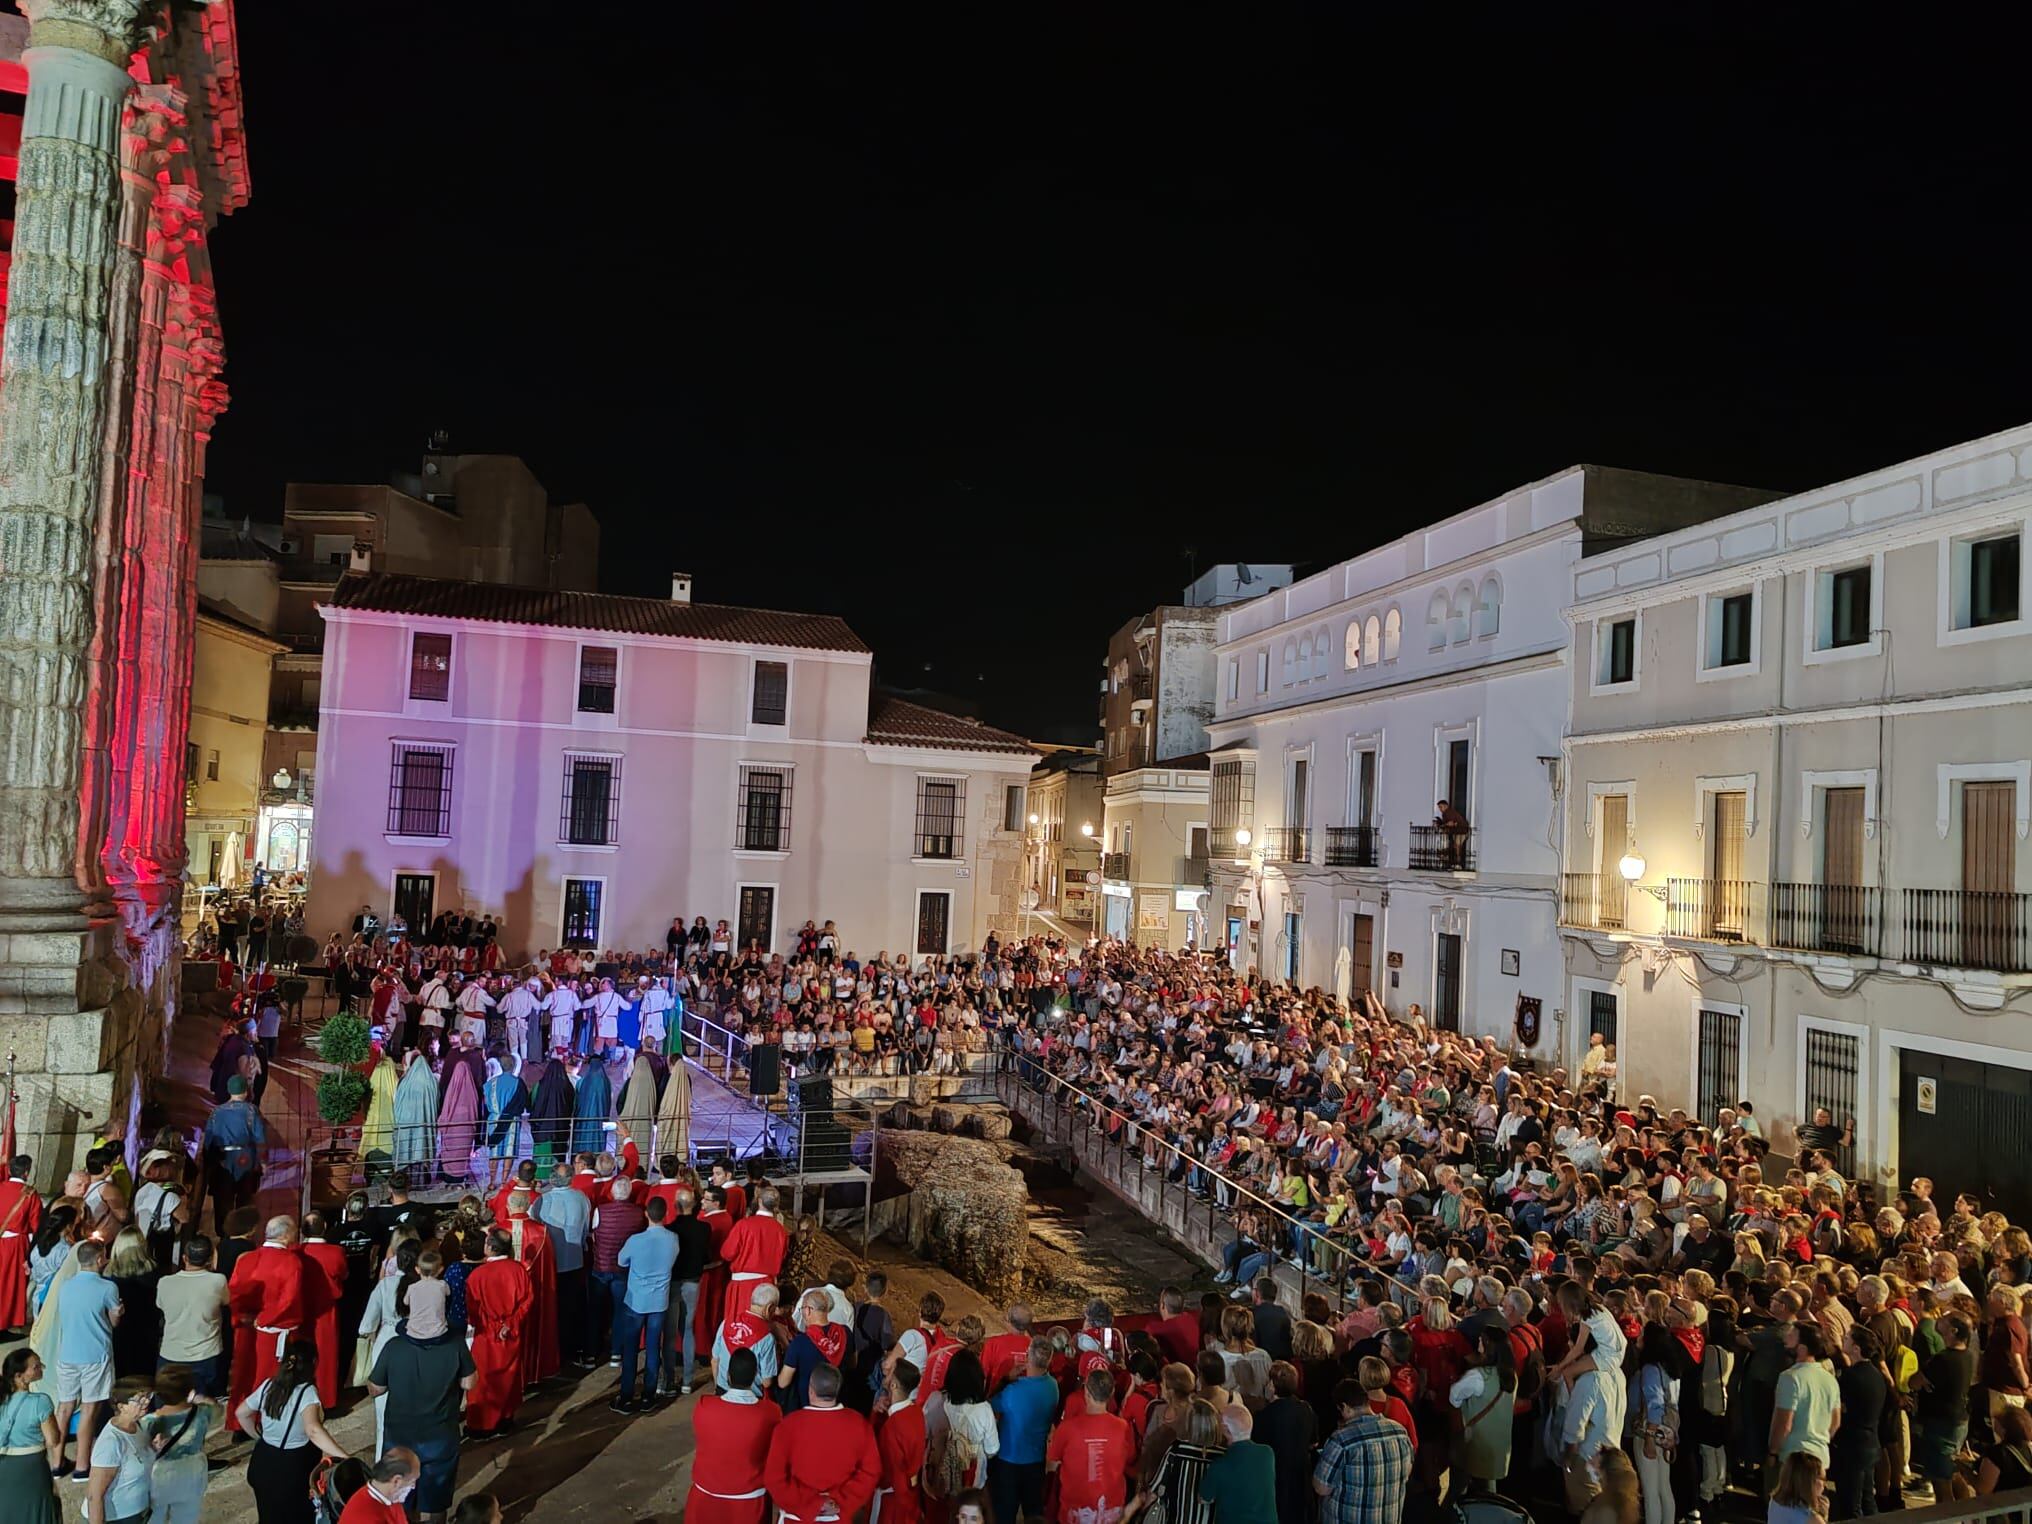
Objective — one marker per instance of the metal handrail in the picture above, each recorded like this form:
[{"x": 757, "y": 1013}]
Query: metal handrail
[
  {"x": 1336, "y": 1286},
  {"x": 2015, "y": 1506}
]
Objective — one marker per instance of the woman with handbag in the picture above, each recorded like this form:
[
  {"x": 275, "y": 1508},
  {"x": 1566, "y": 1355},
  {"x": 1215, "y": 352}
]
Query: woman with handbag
[
  {"x": 284, "y": 1415},
  {"x": 1656, "y": 1421},
  {"x": 1484, "y": 1400}
]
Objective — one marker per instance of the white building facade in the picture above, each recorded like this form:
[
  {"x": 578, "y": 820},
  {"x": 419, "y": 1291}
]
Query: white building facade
[
  {"x": 1800, "y": 781},
  {"x": 586, "y": 767},
  {"x": 1350, "y": 704}
]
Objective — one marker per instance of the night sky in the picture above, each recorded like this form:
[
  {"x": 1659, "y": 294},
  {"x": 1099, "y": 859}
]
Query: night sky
[{"x": 972, "y": 324}]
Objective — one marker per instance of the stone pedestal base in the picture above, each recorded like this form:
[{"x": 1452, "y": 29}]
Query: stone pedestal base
[{"x": 83, "y": 1019}]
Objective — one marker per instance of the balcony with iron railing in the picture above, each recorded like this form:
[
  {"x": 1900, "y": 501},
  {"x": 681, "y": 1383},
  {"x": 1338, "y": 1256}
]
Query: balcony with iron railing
[
  {"x": 1713, "y": 909},
  {"x": 1832, "y": 918},
  {"x": 1443, "y": 849},
  {"x": 1354, "y": 846},
  {"x": 1115, "y": 865},
  {"x": 1967, "y": 928},
  {"x": 1596, "y": 901},
  {"x": 1287, "y": 844}
]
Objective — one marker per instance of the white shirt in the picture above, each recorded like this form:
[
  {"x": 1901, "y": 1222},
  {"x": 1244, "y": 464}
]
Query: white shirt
[
  {"x": 1594, "y": 1411},
  {"x": 474, "y": 999}
]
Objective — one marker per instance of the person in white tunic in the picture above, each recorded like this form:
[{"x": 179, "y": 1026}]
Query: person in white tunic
[
  {"x": 655, "y": 1009},
  {"x": 518, "y": 1010},
  {"x": 606, "y": 1017},
  {"x": 563, "y": 1006},
  {"x": 473, "y": 1004}
]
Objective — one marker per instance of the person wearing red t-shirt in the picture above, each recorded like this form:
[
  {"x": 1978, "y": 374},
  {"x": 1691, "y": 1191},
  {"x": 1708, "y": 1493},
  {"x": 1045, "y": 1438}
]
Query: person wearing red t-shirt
[
  {"x": 524, "y": 1180},
  {"x": 823, "y": 1462},
  {"x": 1002, "y": 1357},
  {"x": 1178, "y": 1332},
  {"x": 1378, "y": 1380},
  {"x": 390, "y": 1480},
  {"x": 1144, "y": 1392},
  {"x": 731, "y": 1439},
  {"x": 1093, "y": 1456},
  {"x": 735, "y": 1193}
]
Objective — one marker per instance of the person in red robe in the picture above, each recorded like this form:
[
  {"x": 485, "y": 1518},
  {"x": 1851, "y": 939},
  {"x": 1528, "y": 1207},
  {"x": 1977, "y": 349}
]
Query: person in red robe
[
  {"x": 899, "y": 1440},
  {"x": 731, "y": 1191},
  {"x": 20, "y": 1216},
  {"x": 754, "y": 1249},
  {"x": 732, "y": 1437},
  {"x": 711, "y": 1310},
  {"x": 529, "y": 1241},
  {"x": 266, "y": 1300},
  {"x": 822, "y": 1458},
  {"x": 525, "y": 1180},
  {"x": 324, "y": 1287},
  {"x": 498, "y": 1303}
]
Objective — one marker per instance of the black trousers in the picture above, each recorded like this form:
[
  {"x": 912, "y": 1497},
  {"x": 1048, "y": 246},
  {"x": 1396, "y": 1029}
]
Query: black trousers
[{"x": 572, "y": 1329}]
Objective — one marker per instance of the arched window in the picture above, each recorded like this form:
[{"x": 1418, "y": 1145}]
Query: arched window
[
  {"x": 1436, "y": 616},
  {"x": 1290, "y": 662},
  {"x": 1372, "y": 641},
  {"x": 1393, "y": 630},
  {"x": 1489, "y": 607},
  {"x": 1353, "y": 653},
  {"x": 1463, "y": 612}
]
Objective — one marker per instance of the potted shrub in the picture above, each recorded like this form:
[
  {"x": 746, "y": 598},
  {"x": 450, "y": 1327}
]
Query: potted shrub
[{"x": 342, "y": 1093}]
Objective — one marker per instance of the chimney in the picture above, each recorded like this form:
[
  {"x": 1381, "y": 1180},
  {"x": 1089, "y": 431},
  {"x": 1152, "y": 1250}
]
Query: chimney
[{"x": 680, "y": 587}]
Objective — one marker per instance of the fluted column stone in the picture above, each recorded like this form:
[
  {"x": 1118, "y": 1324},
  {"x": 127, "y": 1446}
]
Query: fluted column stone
[{"x": 53, "y": 400}]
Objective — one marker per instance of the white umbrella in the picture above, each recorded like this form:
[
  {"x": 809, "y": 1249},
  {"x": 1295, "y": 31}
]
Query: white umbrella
[
  {"x": 229, "y": 870},
  {"x": 1343, "y": 974}
]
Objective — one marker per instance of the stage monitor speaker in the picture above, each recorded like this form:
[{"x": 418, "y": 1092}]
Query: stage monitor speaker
[
  {"x": 812, "y": 1092},
  {"x": 765, "y": 1069}
]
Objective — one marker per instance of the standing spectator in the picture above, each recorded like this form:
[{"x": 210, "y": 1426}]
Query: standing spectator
[
  {"x": 1941, "y": 1406},
  {"x": 31, "y": 1447},
  {"x": 1289, "y": 1426},
  {"x": 960, "y": 1428},
  {"x": 567, "y": 1216},
  {"x": 1241, "y": 1483},
  {"x": 498, "y": 1298},
  {"x": 390, "y": 1481},
  {"x": 234, "y": 1138},
  {"x": 425, "y": 1370},
  {"x": 1272, "y": 1331},
  {"x": 138, "y": 1335},
  {"x": 694, "y": 1253},
  {"x": 823, "y": 1463},
  {"x": 287, "y": 1422},
  {"x": 615, "y": 1221},
  {"x": 644, "y": 1300},
  {"x": 1808, "y": 1406},
  {"x": 117, "y": 1490},
  {"x": 1024, "y": 1409},
  {"x": 176, "y": 1433},
  {"x": 1093, "y": 1455},
  {"x": 900, "y": 1442},
  {"x": 1865, "y": 1396},
  {"x": 1364, "y": 1468},
  {"x": 731, "y": 1435},
  {"x": 88, "y": 1308}
]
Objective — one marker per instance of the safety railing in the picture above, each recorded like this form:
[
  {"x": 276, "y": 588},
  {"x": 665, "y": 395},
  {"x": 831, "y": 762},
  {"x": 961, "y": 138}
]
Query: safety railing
[
  {"x": 1107, "y": 1139},
  {"x": 2013, "y": 1506}
]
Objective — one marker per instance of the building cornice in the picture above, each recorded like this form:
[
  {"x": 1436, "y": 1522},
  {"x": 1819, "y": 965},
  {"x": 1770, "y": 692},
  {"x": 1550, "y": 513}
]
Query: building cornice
[
  {"x": 1953, "y": 703},
  {"x": 1541, "y": 660},
  {"x": 332, "y": 614}
]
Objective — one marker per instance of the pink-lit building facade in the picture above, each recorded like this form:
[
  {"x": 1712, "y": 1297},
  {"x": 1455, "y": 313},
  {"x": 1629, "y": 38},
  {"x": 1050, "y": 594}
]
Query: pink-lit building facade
[{"x": 585, "y": 767}]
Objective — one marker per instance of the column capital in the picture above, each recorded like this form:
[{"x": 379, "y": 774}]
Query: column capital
[{"x": 107, "y": 29}]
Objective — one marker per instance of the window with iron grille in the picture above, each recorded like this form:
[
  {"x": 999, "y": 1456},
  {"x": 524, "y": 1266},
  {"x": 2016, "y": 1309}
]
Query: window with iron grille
[
  {"x": 941, "y": 817},
  {"x": 582, "y": 904},
  {"x": 599, "y": 667},
  {"x": 591, "y": 812},
  {"x": 762, "y": 815},
  {"x": 1833, "y": 1060},
  {"x": 1233, "y": 798},
  {"x": 420, "y": 790},
  {"x": 430, "y": 667},
  {"x": 772, "y": 692}
]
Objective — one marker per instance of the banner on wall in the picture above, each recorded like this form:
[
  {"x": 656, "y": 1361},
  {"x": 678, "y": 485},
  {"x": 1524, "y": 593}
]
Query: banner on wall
[
  {"x": 1153, "y": 913},
  {"x": 1530, "y": 1014}
]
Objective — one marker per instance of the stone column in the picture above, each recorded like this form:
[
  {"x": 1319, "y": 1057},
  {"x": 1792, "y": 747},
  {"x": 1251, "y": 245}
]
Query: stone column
[{"x": 52, "y": 431}]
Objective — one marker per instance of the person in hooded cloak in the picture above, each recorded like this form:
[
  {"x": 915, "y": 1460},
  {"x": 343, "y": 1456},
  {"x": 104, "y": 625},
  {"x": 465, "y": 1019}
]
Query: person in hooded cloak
[
  {"x": 593, "y": 1108},
  {"x": 415, "y": 1141},
  {"x": 550, "y": 1114}
]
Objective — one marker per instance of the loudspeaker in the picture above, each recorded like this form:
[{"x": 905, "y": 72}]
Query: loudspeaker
[
  {"x": 812, "y": 1092},
  {"x": 824, "y": 1145},
  {"x": 765, "y": 1069}
]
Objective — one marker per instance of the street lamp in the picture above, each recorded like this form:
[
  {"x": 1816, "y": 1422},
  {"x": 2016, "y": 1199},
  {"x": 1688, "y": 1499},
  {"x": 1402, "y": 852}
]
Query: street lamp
[
  {"x": 1033, "y": 817},
  {"x": 1631, "y": 867},
  {"x": 1242, "y": 836},
  {"x": 1086, "y": 828},
  {"x": 280, "y": 780}
]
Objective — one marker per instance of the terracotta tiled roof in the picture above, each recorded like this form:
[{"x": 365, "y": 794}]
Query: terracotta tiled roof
[
  {"x": 394, "y": 593},
  {"x": 895, "y": 722}
]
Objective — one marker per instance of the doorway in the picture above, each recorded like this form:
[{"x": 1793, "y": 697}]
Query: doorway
[
  {"x": 1360, "y": 941},
  {"x": 1968, "y": 1125},
  {"x": 1446, "y": 981},
  {"x": 757, "y": 918},
  {"x": 416, "y": 900}
]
